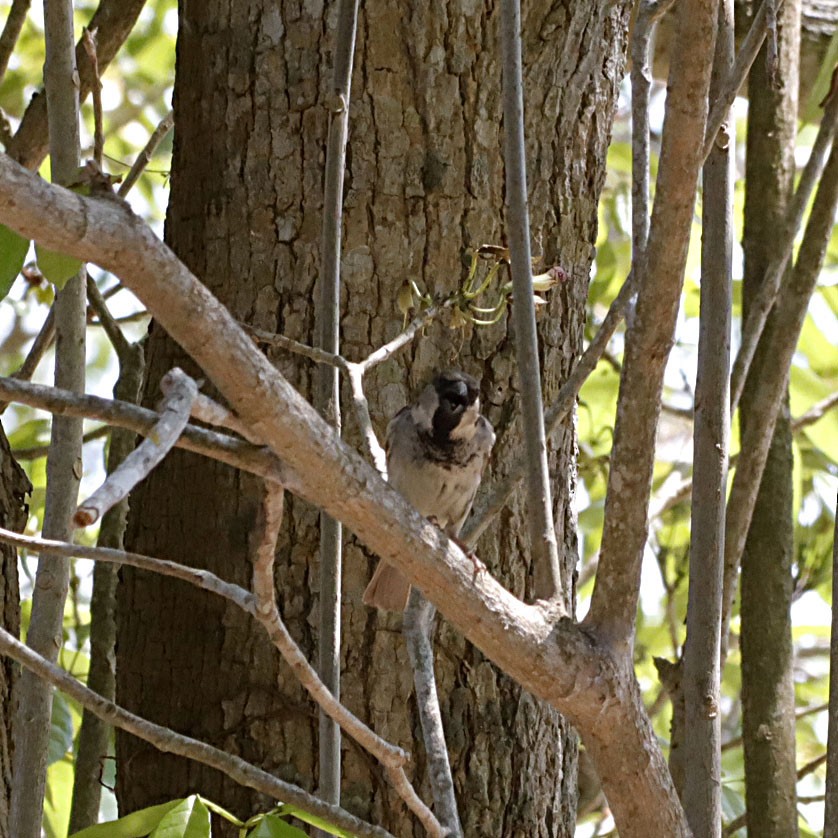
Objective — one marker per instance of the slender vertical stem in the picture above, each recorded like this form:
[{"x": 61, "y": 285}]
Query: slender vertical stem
[
  {"x": 649, "y": 11},
  {"x": 94, "y": 733},
  {"x": 34, "y": 698},
  {"x": 702, "y": 740},
  {"x": 540, "y": 503},
  {"x": 418, "y": 625},
  {"x": 327, "y": 393},
  {"x": 830, "y": 815}
]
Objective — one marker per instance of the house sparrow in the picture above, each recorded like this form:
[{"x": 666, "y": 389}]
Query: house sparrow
[{"x": 436, "y": 451}]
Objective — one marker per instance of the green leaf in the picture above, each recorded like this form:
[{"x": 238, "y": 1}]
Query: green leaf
[
  {"x": 272, "y": 826},
  {"x": 61, "y": 729},
  {"x": 189, "y": 819},
  {"x": 136, "y": 825},
  {"x": 58, "y": 268},
  {"x": 13, "y": 249},
  {"x": 314, "y": 820}
]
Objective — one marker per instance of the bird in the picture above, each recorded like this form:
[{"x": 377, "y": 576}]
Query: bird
[{"x": 437, "y": 449}]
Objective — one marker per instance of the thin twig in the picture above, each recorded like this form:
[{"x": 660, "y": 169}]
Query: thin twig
[
  {"x": 106, "y": 319},
  {"x": 760, "y": 307},
  {"x": 542, "y": 530},
  {"x": 384, "y": 353},
  {"x": 168, "y": 741},
  {"x": 362, "y": 414},
  {"x": 815, "y": 413},
  {"x": 180, "y": 391},
  {"x": 43, "y": 341},
  {"x": 498, "y": 495},
  {"x": 417, "y": 628},
  {"x": 790, "y": 312},
  {"x": 11, "y": 32},
  {"x": 88, "y": 39},
  {"x": 144, "y": 157},
  {"x": 39, "y": 451},
  {"x": 291, "y": 345},
  {"x": 741, "y": 67},
  {"x": 811, "y": 766},
  {"x": 226, "y": 449},
  {"x": 649, "y": 12}
]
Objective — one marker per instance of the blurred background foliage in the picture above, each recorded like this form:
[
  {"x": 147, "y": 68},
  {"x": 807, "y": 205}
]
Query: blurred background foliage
[{"x": 137, "y": 94}]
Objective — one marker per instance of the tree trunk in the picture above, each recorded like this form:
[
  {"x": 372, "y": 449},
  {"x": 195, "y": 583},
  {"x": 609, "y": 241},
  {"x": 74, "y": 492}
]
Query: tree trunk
[
  {"x": 768, "y": 720},
  {"x": 14, "y": 486},
  {"x": 424, "y": 183}
]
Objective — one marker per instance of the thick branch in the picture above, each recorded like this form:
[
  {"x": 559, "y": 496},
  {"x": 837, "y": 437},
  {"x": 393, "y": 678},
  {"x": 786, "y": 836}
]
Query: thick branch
[
  {"x": 555, "y": 660},
  {"x": 650, "y": 338}
]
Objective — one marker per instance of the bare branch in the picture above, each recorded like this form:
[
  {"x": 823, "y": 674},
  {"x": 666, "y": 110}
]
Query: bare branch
[
  {"x": 109, "y": 324},
  {"x": 648, "y": 12},
  {"x": 539, "y": 494},
  {"x": 168, "y": 741},
  {"x": 741, "y": 67},
  {"x": 43, "y": 340},
  {"x": 701, "y": 746},
  {"x": 213, "y": 413},
  {"x": 11, "y": 32},
  {"x": 760, "y": 307},
  {"x": 384, "y": 353},
  {"x": 39, "y": 451},
  {"x": 792, "y": 304},
  {"x": 33, "y": 710},
  {"x": 648, "y": 341},
  {"x": 144, "y": 157},
  {"x": 498, "y": 496},
  {"x": 564, "y": 664},
  {"x": 362, "y": 414},
  {"x": 180, "y": 391},
  {"x": 225, "y": 449},
  {"x": 88, "y": 39},
  {"x": 815, "y": 413},
  {"x": 417, "y": 628},
  {"x": 113, "y": 21}
]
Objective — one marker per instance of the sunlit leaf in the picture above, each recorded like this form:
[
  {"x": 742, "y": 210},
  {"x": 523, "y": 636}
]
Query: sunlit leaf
[
  {"x": 13, "y": 249},
  {"x": 272, "y": 826},
  {"x": 58, "y": 268},
  {"x": 189, "y": 819},
  {"x": 61, "y": 729},
  {"x": 136, "y": 825}
]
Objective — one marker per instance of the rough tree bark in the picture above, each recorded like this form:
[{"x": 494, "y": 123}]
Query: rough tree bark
[
  {"x": 767, "y": 658},
  {"x": 14, "y": 487},
  {"x": 424, "y": 182}
]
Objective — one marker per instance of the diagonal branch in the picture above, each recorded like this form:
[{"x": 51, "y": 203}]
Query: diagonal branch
[
  {"x": 168, "y": 741},
  {"x": 648, "y": 341},
  {"x": 565, "y": 664}
]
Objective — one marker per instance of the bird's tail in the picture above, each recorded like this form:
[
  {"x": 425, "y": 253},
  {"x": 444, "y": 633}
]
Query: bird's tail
[{"x": 388, "y": 589}]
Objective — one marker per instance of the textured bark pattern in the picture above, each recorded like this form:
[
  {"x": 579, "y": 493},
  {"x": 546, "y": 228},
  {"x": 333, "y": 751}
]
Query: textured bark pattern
[
  {"x": 424, "y": 182},
  {"x": 767, "y": 656},
  {"x": 14, "y": 486}
]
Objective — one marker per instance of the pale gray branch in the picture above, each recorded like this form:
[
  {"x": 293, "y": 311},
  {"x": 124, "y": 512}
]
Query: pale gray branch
[
  {"x": 180, "y": 391},
  {"x": 168, "y": 741},
  {"x": 225, "y": 449},
  {"x": 542, "y": 531},
  {"x": 564, "y": 664}
]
